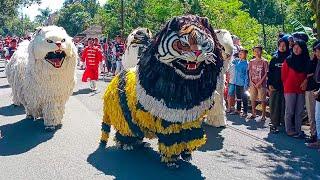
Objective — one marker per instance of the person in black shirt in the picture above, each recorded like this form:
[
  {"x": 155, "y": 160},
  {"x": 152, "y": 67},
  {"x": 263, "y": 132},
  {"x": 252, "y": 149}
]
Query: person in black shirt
[
  {"x": 277, "y": 102},
  {"x": 310, "y": 99},
  {"x": 316, "y": 93}
]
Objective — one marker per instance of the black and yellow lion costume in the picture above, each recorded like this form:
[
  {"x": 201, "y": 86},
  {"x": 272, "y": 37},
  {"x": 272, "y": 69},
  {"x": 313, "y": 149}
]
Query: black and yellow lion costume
[{"x": 168, "y": 93}]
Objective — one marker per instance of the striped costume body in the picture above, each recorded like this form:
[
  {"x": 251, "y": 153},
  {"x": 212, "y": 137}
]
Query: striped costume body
[
  {"x": 169, "y": 92},
  {"x": 132, "y": 122}
]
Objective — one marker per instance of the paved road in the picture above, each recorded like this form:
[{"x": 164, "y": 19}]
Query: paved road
[{"x": 243, "y": 150}]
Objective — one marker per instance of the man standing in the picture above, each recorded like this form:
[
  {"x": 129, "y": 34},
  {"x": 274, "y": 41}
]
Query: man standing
[
  {"x": 118, "y": 50},
  {"x": 92, "y": 56}
]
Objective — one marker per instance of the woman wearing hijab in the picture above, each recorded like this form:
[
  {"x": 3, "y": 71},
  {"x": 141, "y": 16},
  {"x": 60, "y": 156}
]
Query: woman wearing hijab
[
  {"x": 294, "y": 79},
  {"x": 277, "y": 102}
]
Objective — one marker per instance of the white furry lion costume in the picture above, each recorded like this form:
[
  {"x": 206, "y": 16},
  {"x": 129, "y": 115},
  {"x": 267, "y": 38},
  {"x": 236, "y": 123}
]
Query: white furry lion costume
[
  {"x": 217, "y": 116},
  {"x": 169, "y": 92},
  {"x": 42, "y": 74}
]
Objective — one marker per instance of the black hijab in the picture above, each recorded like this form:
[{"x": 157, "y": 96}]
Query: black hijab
[
  {"x": 283, "y": 55},
  {"x": 299, "y": 62}
]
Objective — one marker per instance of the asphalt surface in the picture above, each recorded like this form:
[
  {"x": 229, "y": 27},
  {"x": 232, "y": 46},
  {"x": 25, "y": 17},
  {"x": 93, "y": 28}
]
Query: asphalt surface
[{"x": 243, "y": 150}]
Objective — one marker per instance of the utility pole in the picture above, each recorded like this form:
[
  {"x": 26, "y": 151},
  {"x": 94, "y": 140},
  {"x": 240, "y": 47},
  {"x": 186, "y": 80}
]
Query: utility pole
[{"x": 122, "y": 19}]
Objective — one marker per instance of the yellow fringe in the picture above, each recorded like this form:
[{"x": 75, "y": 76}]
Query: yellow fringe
[
  {"x": 104, "y": 136},
  {"x": 166, "y": 159},
  {"x": 113, "y": 114},
  {"x": 144, "y": 119},
  {"x": 177, "y": 149}
]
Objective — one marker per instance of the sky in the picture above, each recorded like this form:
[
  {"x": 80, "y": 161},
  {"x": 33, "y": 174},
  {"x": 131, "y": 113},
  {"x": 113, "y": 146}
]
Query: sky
[{"x": 54, "y": 5}]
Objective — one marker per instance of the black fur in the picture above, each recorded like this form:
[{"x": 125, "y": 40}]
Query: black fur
[{"x": 163, "y": 83}]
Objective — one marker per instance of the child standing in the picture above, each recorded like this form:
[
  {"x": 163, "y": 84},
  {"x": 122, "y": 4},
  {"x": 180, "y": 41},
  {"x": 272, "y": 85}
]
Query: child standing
[
  {"x": 241, "y": 81},
  {"x": 258, "y": 71}
]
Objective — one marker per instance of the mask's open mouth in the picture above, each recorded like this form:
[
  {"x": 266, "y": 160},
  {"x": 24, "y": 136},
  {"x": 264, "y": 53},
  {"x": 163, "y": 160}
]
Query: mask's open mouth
[
  {"x": 188, "y": 67},
  {"x": 55, "y": 58}
]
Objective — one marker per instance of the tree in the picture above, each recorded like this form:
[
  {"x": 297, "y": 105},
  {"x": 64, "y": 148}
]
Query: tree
[
  {"x": 229, "y": 15},
  {"x": 74, "y": 18},
  {"x": 19, "y": 26},
  {"x": 315, "y": 6},
  {"x": 9, "y": 9},
  {"x": 43, "y": 16}
]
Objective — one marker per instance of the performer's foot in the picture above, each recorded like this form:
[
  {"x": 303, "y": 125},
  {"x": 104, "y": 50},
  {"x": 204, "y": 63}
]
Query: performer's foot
[
  {"x": 186, "y": 156},
  {"x": 172, "y": 165},
  {"x": 127, "y": 147},
  {"x": 29, "y": 117},
  {"x": 16, "y": 105},
  {"x": 50, "y": 128}
]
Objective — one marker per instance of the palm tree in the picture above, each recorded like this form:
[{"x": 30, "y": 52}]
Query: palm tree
[{"x": 43, "y": 16}]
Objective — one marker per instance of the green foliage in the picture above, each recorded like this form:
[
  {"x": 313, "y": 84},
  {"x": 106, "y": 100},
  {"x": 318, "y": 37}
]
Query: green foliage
[
  {"x": 9, "y": 9},
  {"x": 74, "y": 18},
  {"x": 228, "y": 15},
  {"x": 18, "y": 26},
  {"x": 154, "y": 13},
  {"x": 266, "y": 11},
  {"x": 43, "y": 16}
]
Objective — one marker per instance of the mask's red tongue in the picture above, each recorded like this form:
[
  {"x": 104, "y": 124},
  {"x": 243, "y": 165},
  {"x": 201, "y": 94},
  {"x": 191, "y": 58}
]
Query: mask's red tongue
[
  {"x": 56, "y": 62},
  {"x": 191, "y": 65}
]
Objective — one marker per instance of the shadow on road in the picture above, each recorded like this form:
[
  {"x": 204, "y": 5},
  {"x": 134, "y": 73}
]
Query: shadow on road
[
  {"x": 5, "y": 86},
  {"x": 251, "y": 125},
  {"x": 139, "y": 164},
  {"x": 214, "y": 139},
  {"x": 22, "y": 136},
  {"x": 290, "y": 157},
  {"x": 11, "y": 110},
  {"x": 82, "y": 91}
]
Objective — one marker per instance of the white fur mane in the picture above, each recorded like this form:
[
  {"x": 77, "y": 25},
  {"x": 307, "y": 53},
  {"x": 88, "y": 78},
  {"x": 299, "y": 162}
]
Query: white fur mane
[{"x": 40, "y": 87}]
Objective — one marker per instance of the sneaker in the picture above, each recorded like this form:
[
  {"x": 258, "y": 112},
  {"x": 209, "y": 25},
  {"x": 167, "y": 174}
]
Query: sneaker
[
  {"x": 311, "y": 139},
  {"x": 251, "y": 116},
  {"x": 315, "y": 145},
  {"x": 300, "y": 136},
  {"x": 244, "y": 115},
  {"x": 274, "y": 130}
]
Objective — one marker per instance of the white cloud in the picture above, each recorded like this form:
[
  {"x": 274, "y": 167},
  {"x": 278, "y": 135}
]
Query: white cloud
[{"x": 32, "y": 11}]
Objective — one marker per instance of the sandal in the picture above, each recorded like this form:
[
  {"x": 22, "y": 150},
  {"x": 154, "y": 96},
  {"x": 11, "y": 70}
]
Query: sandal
[
  {"x": 251, "y": 116},
  {"x": 274, "y": 130}
]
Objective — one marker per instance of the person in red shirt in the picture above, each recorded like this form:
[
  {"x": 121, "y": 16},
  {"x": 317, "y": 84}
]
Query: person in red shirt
[
  {"x": 92, "y": 56},
  {"x": 294, "y": 79},
  {"x": 11, "y": 49}
]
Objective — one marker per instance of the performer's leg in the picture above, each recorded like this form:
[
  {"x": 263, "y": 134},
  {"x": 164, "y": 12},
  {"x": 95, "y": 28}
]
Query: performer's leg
[{"x": 128, "y": 142}]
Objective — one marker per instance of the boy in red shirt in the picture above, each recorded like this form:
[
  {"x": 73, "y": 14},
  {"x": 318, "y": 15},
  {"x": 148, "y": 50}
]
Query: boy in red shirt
[{"x": 92, "y": 56}]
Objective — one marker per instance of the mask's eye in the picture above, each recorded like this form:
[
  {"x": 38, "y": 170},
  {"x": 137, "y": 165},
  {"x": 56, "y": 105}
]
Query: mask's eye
[
  {"x": 205, "y": 44},
  {"x": 49, "y": 41},
  {"x": 63, "y": 40}
]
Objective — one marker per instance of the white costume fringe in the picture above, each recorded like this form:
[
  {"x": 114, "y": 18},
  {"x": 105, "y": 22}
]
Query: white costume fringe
[{"x": 41, "y": 88}]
